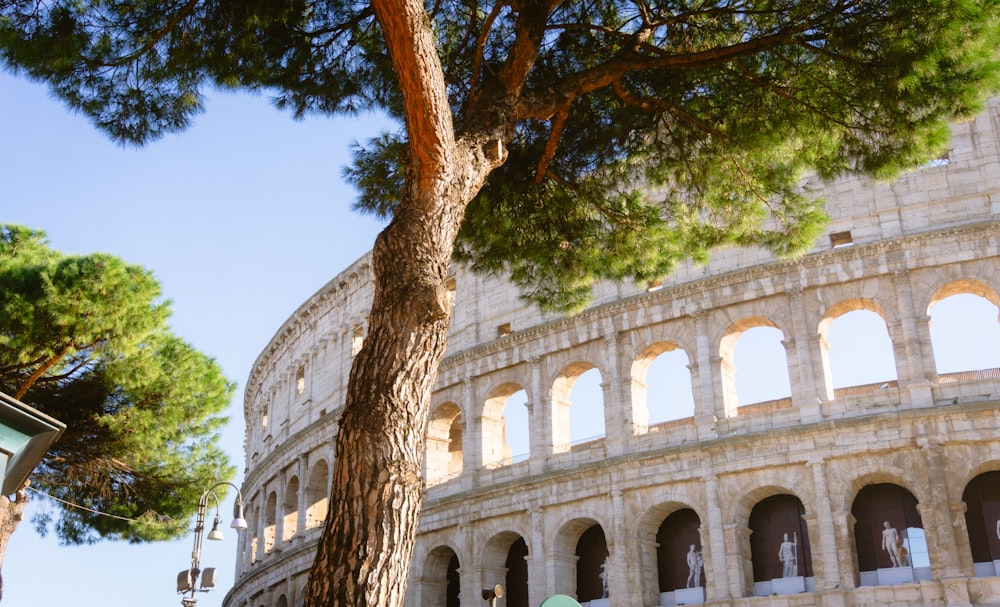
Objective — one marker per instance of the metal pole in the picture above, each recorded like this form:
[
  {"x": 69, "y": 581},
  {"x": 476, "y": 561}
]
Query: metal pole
[{"x": 199, "y": 529}]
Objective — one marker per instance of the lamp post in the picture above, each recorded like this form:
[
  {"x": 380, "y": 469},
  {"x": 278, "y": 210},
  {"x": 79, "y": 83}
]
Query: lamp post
[{"x": 187, "y": 581}]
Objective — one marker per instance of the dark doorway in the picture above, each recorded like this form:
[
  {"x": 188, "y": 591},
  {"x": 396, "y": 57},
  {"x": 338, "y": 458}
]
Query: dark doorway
[
  {"x": 773, "y": 522},
  {"x": 517, "y": 574},
  {"x": 592, "y": 553},
  {"x": 454, "y": 586},
  {"x": 982, "y": 516},
  {"x": 676, "y": 535},
  {"x": 875, "y": 506}
]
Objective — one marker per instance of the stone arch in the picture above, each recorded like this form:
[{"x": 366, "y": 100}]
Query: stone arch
[
  {"x": 773, "y": 370},
  {"x": 679, "y": 528},
  {"x": 443, "y": 451},
  {"x": 504, "y": 562},
  {"x": 317, "y": 494},
  {"x": 562, "y": 386},
  {"x": 496, "y": 446},
  {"x": 282, "y": 601},
  {"x": 290, "y": 509},
  {"x": 854, "y": 330},
  {"x": 440, "y": 583},
  {"x": 964, "y": 332},
  {"x": 565, "y": 543},
  {"x": 966, "y": 286},
  {"x": 648, "y": 531},
  {"x": 883, "y": 513},
  {"x": 650, "y": 407},
  {"x": 779, "y": 541}
]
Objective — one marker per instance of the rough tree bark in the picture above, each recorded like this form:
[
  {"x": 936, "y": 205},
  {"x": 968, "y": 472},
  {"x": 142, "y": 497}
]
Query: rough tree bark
[
  {"x": 364, "y": 553},
  {"x": 363, "y": 556}
]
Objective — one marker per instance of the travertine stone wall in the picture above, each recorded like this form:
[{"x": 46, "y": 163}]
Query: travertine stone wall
[{"x": 928, "y": 235}]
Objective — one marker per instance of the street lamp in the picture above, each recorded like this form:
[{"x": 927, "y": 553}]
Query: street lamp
[{"x": 187, "y": 580}]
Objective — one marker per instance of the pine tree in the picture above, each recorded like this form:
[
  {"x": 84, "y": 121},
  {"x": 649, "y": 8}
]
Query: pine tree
[
  {"x": 84, "y": 339},
  {"x": 554, "y": 142}
]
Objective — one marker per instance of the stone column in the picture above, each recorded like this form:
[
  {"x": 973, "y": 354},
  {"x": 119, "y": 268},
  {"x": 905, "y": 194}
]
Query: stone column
[
  {"x": 914, "y": 370},
  {"x": 717, "y": 584},
  {"x": 617, "y": 410},
  {"x": 540, "y": 421},
  {"x": 624, "y": 582},
  {"x": 538, "y": 578},
  {"x": 702, "y": 379},
  {"x": 829, "y": 562},
  {"x": 302, "y": 470},
  {"x": 809, "y": 383},
  {"x": 472, "y": 435},
  {"x": 279, "y": 512},
  {"x": 935, "y": 513},
  {"x": 740, "y": 560}
]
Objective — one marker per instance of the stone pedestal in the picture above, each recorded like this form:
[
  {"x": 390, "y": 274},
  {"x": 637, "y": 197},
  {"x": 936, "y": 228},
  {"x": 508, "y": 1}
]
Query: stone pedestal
[
  {"x": 788, "y": 585},
  {"x": 895, "y": 575},
  {"x": 689, "y": 596}
]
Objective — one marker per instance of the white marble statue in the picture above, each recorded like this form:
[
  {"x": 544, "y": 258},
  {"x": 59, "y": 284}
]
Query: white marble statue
[
  {"x": 788, "y": 555},
  {"x": 891, "y": 543},
  {"x": 695, "y": 561}
]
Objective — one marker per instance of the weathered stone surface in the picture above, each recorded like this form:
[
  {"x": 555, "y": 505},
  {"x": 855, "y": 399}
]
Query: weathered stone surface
[{"x": 931, "y": 234}]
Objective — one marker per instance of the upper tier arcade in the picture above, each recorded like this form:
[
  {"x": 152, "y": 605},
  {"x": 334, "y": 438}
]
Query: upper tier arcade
[{"x": 545, "y": 487}]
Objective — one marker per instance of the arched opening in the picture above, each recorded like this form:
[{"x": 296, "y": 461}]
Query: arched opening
[
  {"x": 577, "y": 406},
  {"x": 679, "y": 558},
  {"x": 779, "y": 546},
  {"x": 592, "y": 566},
  {"x": 317, "y": 495},
  {"x": 441, "y": 583},
  {"x": 860, "y": 351},
  {"x": 290, "y": 509},
  {"x": 443, "y": 447},
  {"x": 982, "y": 520},
  {"x": 504, "y": 562},
  {"x": 516, "y": 586},
  {"x": 965, "y": 335},
  {"x": 454, "y": 590},
  {"x": 754, "y": 368},
  {"x": 661, "y": 386},
  {"x": 888, "y": 536},
  {"x": 517, "y": 426},
  {"x": 505, "y": 426}
]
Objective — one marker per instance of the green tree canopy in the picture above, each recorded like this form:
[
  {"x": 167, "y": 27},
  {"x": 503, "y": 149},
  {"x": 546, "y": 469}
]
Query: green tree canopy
[
  {"x": 84, "y": 338},
  {"x": 643, "y": 133}
]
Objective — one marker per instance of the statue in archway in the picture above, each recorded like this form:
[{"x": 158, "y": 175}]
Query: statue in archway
[
  {"x": 695, "y": 562},
  {"x": 788, "y": 556},
  {"x": 891, "y": 543}
]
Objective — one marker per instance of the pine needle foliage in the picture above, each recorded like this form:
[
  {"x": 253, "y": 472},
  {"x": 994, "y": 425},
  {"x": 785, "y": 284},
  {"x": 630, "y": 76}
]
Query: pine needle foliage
[{"x": 84, "y": 339}]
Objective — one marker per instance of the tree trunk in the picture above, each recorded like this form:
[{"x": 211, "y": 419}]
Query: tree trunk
[
  {"x": 11, "y": 513},
  {"x": 363, "y": 557}
]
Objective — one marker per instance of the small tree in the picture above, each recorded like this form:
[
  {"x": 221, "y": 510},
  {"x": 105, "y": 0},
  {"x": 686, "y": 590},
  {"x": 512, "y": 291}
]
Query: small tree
[
  {"x": 555, "y": 142},
  {"x": 84, "y": 339}
]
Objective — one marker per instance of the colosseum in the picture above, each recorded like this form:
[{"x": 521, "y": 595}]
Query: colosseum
[{"x": 620, "y": 456}]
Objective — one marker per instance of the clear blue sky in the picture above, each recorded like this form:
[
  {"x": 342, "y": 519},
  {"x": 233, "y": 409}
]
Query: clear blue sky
[{"x": 241, "y": 218}]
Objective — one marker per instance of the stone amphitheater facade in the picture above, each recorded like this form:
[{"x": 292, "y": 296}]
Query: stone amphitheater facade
[{"x": 610, "y": 521}]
